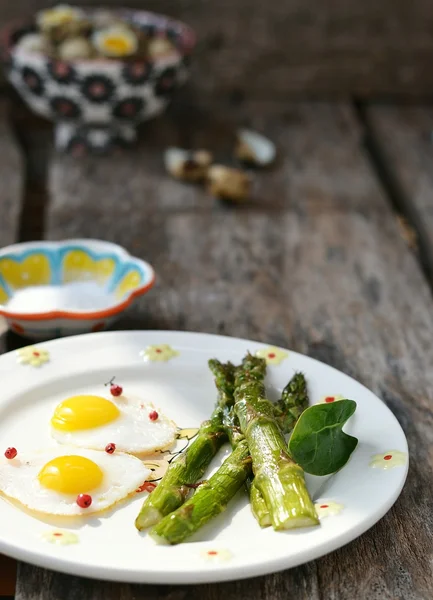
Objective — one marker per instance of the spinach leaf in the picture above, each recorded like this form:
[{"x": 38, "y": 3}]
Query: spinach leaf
[{"x": 318, "y": 443}]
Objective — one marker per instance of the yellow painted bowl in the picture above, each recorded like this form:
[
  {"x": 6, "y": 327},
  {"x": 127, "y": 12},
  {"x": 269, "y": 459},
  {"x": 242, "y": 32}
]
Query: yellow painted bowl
[{"x": 55, "y": 289}]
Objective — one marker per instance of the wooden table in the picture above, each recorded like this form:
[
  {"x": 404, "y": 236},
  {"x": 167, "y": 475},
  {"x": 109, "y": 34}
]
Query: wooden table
[{"x": 332, "y": 257}]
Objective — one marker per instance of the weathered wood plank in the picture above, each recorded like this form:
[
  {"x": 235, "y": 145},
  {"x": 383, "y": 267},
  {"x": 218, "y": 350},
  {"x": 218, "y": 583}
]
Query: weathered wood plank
[
  {"x": 404, "y": 137},
  {"x": 36, "y": 140},
  {"x": 279, "y": 48},
  {"x": 316, "y": 263},
  {"x": 38, "y": 584},
  {"x": 11, "y": 177},
  {"x": 12, "y": 183},
  {"x": 8, "y": 568}
]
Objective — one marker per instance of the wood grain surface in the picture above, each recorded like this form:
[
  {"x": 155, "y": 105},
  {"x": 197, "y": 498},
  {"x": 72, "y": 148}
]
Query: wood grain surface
[
  {"x": 273, "y": 49},
  {"x": 11, "y": 189},
  {"x": 315, "y": 262},
  {"x": 404, "y": 137},
  {"x": 12, "y": 182},
  {"x": 11, "y": 178}
]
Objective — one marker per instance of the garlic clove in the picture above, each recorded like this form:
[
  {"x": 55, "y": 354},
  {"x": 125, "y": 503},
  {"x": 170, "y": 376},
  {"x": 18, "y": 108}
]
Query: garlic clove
[
  {"x": 228, "y": 183},
  {"x": 75, "y": 48},
  {"x": 104, "y": 19},
  {"x": 62, "y": 22},
  {"x": 254, "y": 148},
  {"x": 57, "y": 16},
  {"x": 187, "y": 165},
  {"x": 159, "y": 46}
]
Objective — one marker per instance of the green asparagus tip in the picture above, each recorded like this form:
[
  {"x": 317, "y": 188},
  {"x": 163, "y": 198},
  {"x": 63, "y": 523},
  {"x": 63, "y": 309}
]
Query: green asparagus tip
[{"x": 148, "y": 516}]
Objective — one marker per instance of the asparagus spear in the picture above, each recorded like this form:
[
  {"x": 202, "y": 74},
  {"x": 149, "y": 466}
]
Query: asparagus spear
[
  {"x": 212, "y": 497},
  {"x": 173, "y": 489},
  {"x": 209, "y": 500},
  {"x": 224, "y": 376},
  {"x": 258, "y": 505},
  {"x": 279, "y": 479},
  {"x": 225, "y": 382},
  {"x": 293, "y": 402}
]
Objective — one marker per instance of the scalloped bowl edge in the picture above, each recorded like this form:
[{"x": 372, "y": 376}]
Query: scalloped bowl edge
[{"x": 75, "y": 260}]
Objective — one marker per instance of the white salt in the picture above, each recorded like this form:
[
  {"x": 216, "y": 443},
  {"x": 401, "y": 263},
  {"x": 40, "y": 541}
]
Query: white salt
[{"x": 78, "y": 295}]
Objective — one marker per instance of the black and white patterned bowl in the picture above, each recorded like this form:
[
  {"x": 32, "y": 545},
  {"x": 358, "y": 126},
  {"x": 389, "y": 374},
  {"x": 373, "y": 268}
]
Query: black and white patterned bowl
[{"x": 98, "y": 103}]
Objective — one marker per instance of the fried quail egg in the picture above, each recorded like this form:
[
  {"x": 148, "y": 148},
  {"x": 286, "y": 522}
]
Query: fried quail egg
[
  {"x": 115, "y": 41},
  {"x": 50, "y": 480},
  {"x": 93, "y": 422}
]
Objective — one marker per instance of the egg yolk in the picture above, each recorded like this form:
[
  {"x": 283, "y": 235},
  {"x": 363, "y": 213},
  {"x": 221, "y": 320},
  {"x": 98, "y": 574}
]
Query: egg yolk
[
  {"x": 70, "y": 475},
  {"x": 84, "y": 412},
  {"x": 117, "y": 45}
]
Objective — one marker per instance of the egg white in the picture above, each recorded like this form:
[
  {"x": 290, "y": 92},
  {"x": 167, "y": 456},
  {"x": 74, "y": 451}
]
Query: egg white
[
  {"x": 123, "y": 474},
  {"x": 132, "y": 432}
]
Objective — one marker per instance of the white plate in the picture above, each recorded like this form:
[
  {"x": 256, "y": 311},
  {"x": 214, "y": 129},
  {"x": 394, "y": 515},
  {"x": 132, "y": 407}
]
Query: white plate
[{"x": 233, "y": 546}]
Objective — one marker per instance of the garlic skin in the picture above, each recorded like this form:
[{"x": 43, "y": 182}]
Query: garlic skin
[
  {"x": 244, "y": 153},
  {"x": 187, "y": 166},
  {"x": 62, "y": 14},
  {"x": 159, "y": 46},
  {"x": 104, "y": 19},
  {"x": 61, "y": 22},
  {"x": 228, "y": 183},
  {"x": 254, "y": 148},
  {"x": 34, "y": 42},
  {"x": 75, "y": 48}
]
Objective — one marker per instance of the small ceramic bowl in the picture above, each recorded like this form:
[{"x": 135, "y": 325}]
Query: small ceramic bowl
[
  {"x": 98, "y": 103},
  {"x": 55, "y": 289}
]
